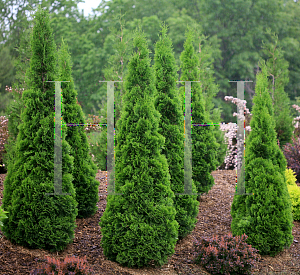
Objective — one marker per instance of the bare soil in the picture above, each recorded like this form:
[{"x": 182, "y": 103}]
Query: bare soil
[{"x": 213, "y": 219}]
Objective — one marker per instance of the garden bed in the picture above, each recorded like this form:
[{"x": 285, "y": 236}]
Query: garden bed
[{"x": 213, "y": 219}]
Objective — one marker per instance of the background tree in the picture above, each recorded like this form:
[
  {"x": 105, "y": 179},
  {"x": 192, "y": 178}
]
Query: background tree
[
  {"x": 171, "y": 126},
  {"x": 240, "y": 48},
  {"x": 6, "y": 75},
  {"x": 278, "y": 78},
  {"x": 204, "y": 145},
  {"x": 16, "y": 106},
  {"x": 116, "y": 70},
  {"x": 91, "y": 44},
  {"x": 17, "y": 16},
  {"x": 210, "y": 90},
  {"x": 266, "y": 216},
  {"x": 144, "y": 215},
  {"x": 85, "y": 170},
  {"x": 36, "y": 220}
]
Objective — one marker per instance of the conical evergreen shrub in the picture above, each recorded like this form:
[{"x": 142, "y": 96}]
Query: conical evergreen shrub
[
  {"x": 172, "y": 128},
  {"x": 278, "y": 74},
  {"x": 37, "y": 220},
  {"x": 204, "y": 145},
  {"x": 266, "y": 216},
  {"x": 139, "y": 226},
  {"x": 210, "y": 90},
  {"x": 16, "y": 106},
  {"x": 85, "y": 170},
  {"x": 116, "y": 69}
]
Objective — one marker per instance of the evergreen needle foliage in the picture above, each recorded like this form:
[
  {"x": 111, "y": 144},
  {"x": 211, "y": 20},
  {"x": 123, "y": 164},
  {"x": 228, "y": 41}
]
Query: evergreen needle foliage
[
  {"x": 115, "y": 70},
  {"x": 85, "y": 170},
  {"x": 278, "y": 78},
  {"x": 139, "y": 226},
  {"x": 210, "y": 90},
  {"x": 37, "y": 220},
  {"x": 204, "y": 145},
  {"x": 16, "y": 106},
  {"x": 171, "y": 125},
  {"x": 266, "y": 216}
]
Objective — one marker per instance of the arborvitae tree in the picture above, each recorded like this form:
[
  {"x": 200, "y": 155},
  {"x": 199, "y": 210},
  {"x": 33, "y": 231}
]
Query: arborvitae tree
[
  {"x": 204, "y": 145},
  {"x": 16, "y": 106},
  {"x": 210, "y": 90},
  {"x": 85, "y": 170},
  {"x": 172, "y": 128},
  {"x": 278, "y": 78},
  {"x": 139, "y": 226},
  {"x": 266, "y": 216},
  {"x": 37, "y": 220},
  {"x": 115, "y": 70}
]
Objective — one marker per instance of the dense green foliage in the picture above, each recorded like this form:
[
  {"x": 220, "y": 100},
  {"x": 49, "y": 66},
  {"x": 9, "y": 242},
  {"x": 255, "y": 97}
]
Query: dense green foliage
[
  {"x": 210, "y": 90},
  {"x": 294, "y": 192},
  {"x": 290, "y": 177},
  {"x": 16, "y": 106},
  {"x": 35, "y": 219},
  {"x": 278, "y": 79},
  {"x": 171, "y": 126},
  {"x": 85, "y": 170},
  {"x": 204, "y": 145},
  {"x": 266, "y": 216},
  {"x": 236, "y": 47},
  {"x": 139, "y": 226},
  {"x": 114, "y": 71}
]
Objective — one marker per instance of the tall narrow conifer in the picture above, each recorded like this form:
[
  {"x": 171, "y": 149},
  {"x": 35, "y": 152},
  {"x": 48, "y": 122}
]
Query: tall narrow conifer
[
  {"x": 210, "y": 90},
  {"x": 266, "y": 216},
  {"x": 172, "y": 128},
  {"x": 139, "y": 226},
  {"x": 37, "y": 220},
  {"x": 204, "y": 145},
  {"x": 278, "y": 78},
  {"x": 85, "y": 170}
]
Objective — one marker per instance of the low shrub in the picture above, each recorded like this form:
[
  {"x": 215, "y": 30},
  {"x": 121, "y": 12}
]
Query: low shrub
[
  {"x": 294, "y": 192},
  {"x": 230, "y": 255},
  {"x": 292, "y": 155},
  {"x": 71, "y": 265},
  {"x": 290, "y": 177}
]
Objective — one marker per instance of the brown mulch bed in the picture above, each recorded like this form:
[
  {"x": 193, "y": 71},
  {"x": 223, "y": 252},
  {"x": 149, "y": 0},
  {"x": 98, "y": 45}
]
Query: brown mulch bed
[{"x": 213, "y": 219}]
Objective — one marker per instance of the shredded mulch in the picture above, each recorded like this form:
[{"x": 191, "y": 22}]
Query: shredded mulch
[{"x": 214, "y": 219}]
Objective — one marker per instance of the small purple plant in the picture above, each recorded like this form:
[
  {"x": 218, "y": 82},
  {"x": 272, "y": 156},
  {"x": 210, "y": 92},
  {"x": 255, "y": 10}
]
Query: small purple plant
[
  {"x": 230, "y": 255},
  {"x": 71, "y": 265},
  {"x": 292, "y": 155}
]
